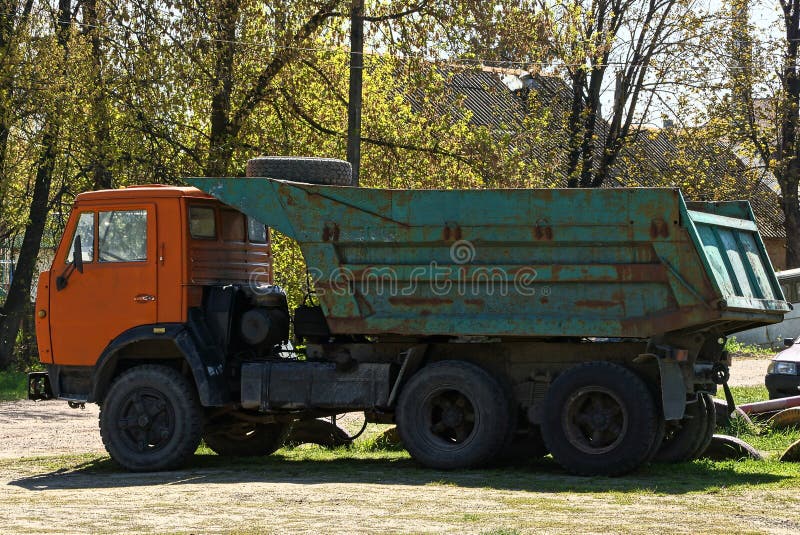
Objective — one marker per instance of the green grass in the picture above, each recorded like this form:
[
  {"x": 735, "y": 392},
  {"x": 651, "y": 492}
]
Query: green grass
[
  {"x": 13, "y": 385},
  {"x": 770, "y": 441},
  {"x": 739, "y": 349},
  {"x": 746, "y": 394}
]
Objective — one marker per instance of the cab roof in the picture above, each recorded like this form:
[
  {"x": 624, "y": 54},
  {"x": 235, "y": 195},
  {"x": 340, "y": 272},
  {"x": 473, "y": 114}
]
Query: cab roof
[{"x": 143, "y": 191}]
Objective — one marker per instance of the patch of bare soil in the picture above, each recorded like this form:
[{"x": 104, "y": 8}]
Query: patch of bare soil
[
  {"x": 748, "y": 371},
  {"x": 30, "y": 429},
  {"x": 383, "y": 496}
]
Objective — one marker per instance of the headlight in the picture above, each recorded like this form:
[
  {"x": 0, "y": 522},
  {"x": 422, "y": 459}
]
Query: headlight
[{"x": 782, "y": 368}]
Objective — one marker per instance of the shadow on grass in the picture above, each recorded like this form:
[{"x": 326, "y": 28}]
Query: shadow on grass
[{"x": 288, "y": 467}]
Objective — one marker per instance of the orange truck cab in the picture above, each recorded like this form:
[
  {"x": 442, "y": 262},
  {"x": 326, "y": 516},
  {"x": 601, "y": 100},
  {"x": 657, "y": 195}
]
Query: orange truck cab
[{"x": 146, "y": 255}]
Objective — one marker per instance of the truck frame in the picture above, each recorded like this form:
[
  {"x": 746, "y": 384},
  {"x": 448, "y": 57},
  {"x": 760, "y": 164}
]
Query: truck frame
[{"x": 587, "y": 324}]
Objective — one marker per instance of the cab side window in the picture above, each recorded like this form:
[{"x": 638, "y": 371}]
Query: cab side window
[
  {"x": 85, "y": 230},
  {"x": 256, "y": 232},
  {"x": 202, "y": 223},
  {"x": 122, "y": 236}
]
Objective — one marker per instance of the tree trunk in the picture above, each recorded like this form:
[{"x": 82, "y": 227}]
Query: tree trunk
[
  {"x": 575, "y": 129},
  {"x": 791, "y": 224},
  {"x": 788, "y": 167},
  {"x": 19, "y": 292},
  {"x": 102, "y": 178},
  {"x": 220, "y": 150}
]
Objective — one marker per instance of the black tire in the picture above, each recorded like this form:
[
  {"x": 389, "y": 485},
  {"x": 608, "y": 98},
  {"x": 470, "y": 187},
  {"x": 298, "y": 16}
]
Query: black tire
[
  {"x": 328, "y": 171},
  {"x": 661, "y": 433},
  {"x": 454, "y": 414},
  {"x": 320, "y": 432},
  {"x": 151, "y": 419},
  {"x": 710, "y": 428},
  {"x": 683, "y": 437},
  {"x": 599, "y": 419},
  {"x": 244, "y": 439}
]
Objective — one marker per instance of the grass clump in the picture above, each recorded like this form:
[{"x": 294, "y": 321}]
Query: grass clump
[
  {"x": 739, "y": 349},
  {"x": 13, "y": 385}
]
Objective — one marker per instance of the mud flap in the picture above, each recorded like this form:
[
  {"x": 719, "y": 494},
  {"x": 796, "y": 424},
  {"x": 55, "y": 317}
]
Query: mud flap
[{"x": 673, "y": 388}]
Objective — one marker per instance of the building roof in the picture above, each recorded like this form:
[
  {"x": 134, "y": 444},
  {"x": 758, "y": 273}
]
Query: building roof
[{"x": 501, "y": 100}]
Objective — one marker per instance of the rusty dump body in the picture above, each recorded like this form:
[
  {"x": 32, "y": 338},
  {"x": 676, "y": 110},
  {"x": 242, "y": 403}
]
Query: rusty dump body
[{"x": 621, "y": 263}]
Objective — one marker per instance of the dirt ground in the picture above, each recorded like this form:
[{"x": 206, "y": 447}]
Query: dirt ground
[{"x": 55, "y": 478}]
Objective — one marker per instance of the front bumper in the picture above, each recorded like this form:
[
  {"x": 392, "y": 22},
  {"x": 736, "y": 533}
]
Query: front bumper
[{"x": 782, "y": 385}]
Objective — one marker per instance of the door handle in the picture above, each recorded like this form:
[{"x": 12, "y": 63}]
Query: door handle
[{"x": 144, "y": 298}]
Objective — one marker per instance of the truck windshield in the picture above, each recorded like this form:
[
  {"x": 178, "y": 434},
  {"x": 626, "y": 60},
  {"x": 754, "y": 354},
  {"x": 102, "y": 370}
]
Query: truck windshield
[{"x": 123, "y": 236}]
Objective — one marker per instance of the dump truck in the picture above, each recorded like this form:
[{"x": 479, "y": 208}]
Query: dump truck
[{"x": 588, "y": 324}]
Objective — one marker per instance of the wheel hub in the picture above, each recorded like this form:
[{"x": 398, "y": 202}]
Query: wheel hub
[
  {"x": 594, "y": 420},
  {"x": 146, "y": 421},
  {"x": 452, "y": 416}
]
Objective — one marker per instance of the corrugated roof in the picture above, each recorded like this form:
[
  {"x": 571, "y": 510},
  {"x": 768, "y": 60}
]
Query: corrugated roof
[{"x": 649, "y": 160}]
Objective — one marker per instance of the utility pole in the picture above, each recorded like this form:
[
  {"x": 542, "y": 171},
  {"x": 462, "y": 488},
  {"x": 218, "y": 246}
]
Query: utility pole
[{"x": 354, "y": 102}]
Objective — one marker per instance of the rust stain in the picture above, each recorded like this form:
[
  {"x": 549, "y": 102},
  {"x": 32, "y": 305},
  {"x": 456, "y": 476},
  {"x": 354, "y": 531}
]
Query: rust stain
[
  {"x": 543, "y": 231},
  {"x": 596, "y": 303},
  {"x": 419, "y": 301},
  {"x": 641, "y": 273},
  {"x": 451, "y": 232},
  {"x": 475, "y": 302},
  {"x": 659, "y": 229},
  {"x": 544, "y": 300},
  {"x": 330, "y": 232}
]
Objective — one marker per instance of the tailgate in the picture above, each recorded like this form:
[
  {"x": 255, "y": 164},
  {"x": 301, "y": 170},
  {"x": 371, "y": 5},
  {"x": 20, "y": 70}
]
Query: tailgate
[{"x": 734, "y": 255}]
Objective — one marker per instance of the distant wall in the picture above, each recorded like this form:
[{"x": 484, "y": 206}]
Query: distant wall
[{"x": 776, "y": 249}]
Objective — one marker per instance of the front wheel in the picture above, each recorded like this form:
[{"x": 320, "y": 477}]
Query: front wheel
[
  {"x": 599, "y": 419},
  {"x": 151, "y": 419},
  {"x": 454, "y": 414}
]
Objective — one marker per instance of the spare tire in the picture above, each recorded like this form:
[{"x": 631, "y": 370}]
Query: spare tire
[{"x": 328, "y": 171}]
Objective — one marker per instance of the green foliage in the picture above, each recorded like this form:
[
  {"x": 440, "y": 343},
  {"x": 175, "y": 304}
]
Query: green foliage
[
  {"x": 13, "y": 385},
  {"x": 739, "y": 349}
]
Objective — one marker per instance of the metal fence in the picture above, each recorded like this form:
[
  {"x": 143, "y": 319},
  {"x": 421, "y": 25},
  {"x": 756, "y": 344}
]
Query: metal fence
[{"x": 6, "y": 274}]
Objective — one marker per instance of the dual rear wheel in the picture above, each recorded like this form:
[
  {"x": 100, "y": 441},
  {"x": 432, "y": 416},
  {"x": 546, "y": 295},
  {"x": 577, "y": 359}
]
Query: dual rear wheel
[{"x": 600, "y": 418}]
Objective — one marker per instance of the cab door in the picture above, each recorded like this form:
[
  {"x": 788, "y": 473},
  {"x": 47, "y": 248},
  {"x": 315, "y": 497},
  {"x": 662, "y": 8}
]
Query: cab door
[{"x": 117, "y": 289}]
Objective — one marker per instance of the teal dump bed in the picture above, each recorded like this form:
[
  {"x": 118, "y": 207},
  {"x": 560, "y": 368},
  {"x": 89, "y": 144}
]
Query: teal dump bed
[{"x": 556, "y": 262}]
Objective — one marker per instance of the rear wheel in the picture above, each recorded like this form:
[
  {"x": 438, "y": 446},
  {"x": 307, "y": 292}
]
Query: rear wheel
[
  {"x": 454, "y": 414},
  {"x": 244, "y": 439},
  {"x": 710, "y": 427},
  {"x": 683, "y": 437},
  {"x": 151, "y": 419},
  {"x": 600, "y": 419}
]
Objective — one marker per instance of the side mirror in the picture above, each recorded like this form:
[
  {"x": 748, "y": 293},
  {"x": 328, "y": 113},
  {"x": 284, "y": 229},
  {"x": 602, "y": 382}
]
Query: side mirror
[
  {"x": 75, "y": 265},
  {"x": 77, "y": 255},
  {"x": 788, "y": 342}
]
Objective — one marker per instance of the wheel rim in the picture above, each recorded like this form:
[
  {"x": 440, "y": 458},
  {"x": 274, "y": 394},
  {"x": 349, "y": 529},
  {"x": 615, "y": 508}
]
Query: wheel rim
[
  {"x": 450, "y": 416},
  {"x": 147, "y": 420},
  {"x": 595, "y": 420}
]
